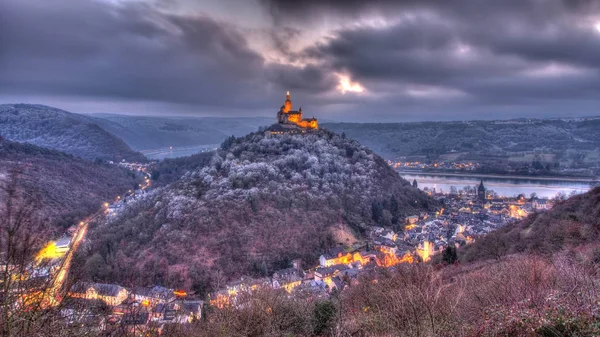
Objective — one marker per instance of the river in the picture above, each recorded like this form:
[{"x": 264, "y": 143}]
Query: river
[{"x": 505, "y": 186}]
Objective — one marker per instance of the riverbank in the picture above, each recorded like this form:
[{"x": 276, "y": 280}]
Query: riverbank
[{"x": 499, "y": 176}]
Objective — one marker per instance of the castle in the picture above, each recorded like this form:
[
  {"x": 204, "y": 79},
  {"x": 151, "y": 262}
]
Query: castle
[{"x": 288, "y": 116}]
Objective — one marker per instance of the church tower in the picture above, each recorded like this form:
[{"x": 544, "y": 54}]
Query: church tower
[
  {"x": 481, "y": 192},
  {"x": 287, "y": 106}
]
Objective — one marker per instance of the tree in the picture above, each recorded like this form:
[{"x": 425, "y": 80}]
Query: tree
[
  {"x": 415, "y": 184},
  {"x": 25, "y": 299},
  {"x": 449, "y": 255},
  {"x": 324, "y": 314}
]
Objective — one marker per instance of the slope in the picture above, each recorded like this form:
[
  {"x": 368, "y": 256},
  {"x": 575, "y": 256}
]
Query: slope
[
  {"x": 67, "y": 188},
  {"x": 63, "y": 131}
]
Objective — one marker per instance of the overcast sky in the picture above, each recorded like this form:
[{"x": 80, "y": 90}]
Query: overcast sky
[{"x": 379, "y": 60}]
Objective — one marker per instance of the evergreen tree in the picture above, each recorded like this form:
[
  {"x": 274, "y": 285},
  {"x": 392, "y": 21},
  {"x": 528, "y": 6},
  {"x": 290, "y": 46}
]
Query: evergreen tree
[{"x": 450, "y": 256}]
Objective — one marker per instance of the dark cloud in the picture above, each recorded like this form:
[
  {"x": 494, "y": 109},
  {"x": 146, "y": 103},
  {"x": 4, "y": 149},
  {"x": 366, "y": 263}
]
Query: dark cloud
[{"x": 429, "y": 58}]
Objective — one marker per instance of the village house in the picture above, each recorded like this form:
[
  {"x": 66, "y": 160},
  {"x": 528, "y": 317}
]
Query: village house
[
  {"x": 541, "y": 204},
  {"x": 110, "y": 294},
  {"x": 151, "y": 296},
  {"x": 63, "y": 245},
  {"x": 335, "y": 256},
  {"x": 411, "y": 220}
]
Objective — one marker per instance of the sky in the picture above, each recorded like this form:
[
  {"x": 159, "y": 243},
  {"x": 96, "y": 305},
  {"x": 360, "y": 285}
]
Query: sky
[{"x": 343, "y": 60}]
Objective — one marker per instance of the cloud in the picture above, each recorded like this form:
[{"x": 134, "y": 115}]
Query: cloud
[{"x": 424, "y": 58}]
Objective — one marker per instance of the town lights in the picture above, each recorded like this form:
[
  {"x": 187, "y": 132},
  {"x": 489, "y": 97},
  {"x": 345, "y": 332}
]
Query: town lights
[
  {"x": 179, "y": 293},
  {"x": 106, "y": 204}
]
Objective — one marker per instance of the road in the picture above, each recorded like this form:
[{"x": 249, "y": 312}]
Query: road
[{"x": 54, "y": 293}]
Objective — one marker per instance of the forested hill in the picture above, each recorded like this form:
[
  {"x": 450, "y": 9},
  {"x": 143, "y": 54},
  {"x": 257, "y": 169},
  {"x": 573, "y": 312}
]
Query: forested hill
[
  {"x": 569, "y": 142},
  {"x": 66, "y": 188},
  {"x": 63, "y": 131},
  {"x": 260, "y": 202}
]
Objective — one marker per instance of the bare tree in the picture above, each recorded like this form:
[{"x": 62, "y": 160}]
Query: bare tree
[{"x": 28, "y": 294}]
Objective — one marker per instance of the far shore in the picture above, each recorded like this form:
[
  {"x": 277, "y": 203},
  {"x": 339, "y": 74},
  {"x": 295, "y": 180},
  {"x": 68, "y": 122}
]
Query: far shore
[{"x": 500, "y": 176}]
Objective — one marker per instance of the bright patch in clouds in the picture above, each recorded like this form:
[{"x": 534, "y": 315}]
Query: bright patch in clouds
[
  {"x": 347, "y": 85},
  {"x": 554, "y": 70},
  {"x": 597, "y": 26}
]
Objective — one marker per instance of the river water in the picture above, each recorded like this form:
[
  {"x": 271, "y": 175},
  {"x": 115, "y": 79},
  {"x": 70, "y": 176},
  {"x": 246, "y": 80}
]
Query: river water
[{"x": 504, "y": 186}]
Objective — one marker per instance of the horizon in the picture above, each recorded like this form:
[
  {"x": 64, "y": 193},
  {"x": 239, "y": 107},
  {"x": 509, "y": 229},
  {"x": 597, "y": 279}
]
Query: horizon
[
  {"x": 385, "y": 61},
  {"x": 325, "y": 121}
]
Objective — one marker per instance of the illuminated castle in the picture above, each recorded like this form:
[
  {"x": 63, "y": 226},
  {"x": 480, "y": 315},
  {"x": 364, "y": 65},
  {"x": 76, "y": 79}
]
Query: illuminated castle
[{"x": 288, "y": 116}]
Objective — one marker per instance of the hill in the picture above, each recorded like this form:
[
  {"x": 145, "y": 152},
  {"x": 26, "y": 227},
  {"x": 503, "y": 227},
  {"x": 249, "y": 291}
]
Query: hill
[
  {"x": 570, "y": 224},
  {"x": 260, "y": 202},
  {"x": 565, "y": 143},
  {"x": 63, "y": 131},
  {"x": 147, "y": 133},
  {"x": 66, "y": 187}
]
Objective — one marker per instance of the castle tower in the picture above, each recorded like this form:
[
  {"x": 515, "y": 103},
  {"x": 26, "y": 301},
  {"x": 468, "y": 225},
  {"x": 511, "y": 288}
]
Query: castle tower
[{"x": 287, "y": 106}]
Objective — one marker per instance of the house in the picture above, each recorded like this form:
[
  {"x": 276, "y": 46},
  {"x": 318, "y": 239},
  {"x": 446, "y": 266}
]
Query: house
[
  {"x": 63, "y": 244},
  {"x": 335, "y": 256},
  {"x": 150, "y": 296},
  {"x": 287, "y": 279},
  {"x": 541, "y": 204},
  {"x": 110, "y": 294},
  {"x": 326, "y": 274},
  {"x": 411, "y": 220},
  {"x": 190, "y": 311}
]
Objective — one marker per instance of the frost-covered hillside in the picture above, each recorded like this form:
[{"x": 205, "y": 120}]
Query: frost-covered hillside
[
  {"x": 262, "y": 201},
  {"x": 63, "y": 131}
]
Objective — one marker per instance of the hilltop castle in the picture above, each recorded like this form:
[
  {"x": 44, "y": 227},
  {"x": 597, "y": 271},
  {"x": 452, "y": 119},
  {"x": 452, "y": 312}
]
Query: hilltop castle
[{"x": 288, "y": 116}]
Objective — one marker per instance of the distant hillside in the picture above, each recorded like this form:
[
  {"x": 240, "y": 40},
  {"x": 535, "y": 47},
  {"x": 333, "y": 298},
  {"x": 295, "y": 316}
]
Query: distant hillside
[
  {"x": 67, "y": 187},
  {"x": 63, "y": 131},
  {"x": 260, "y": 202},
  {"x": 567, "y": 225},
  {"x": 145, "y": 133},
  {"x": 564, "y": 142}
]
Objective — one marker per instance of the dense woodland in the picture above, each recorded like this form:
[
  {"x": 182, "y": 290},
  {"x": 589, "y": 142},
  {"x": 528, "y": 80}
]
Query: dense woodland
[
  {"x": 575, "y": 143},
  {"x": 261, "y": 201},
  {"x": 60, "y": 130},
  {"x": 66, "y": 188}
]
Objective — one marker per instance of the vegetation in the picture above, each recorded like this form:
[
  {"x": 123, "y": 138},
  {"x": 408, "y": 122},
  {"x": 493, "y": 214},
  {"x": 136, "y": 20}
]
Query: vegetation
[
  {"x": 60, "y": 130},
  {"x": 68, "y": 188},
  {"x": 260, "y": 203},
  {"x": 541, "y": 143}
]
